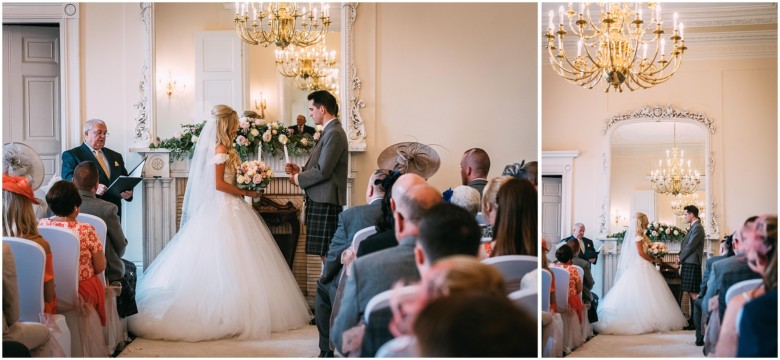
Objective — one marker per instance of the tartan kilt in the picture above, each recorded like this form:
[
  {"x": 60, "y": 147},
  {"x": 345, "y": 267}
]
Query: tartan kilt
[
  {"x": 690, "y": 277},
  {"x": 322, "y": 220}
]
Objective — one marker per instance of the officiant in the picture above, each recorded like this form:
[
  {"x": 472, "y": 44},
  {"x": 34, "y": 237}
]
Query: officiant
[
  {"x": 111, "y": 165},
  {"x": 588, "y": 252}
]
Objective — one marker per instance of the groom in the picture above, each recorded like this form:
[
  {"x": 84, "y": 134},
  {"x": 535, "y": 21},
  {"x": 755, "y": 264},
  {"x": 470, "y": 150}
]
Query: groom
[
  {"x": 690, "y": 255},
  {"x": 324, "y": 177}
]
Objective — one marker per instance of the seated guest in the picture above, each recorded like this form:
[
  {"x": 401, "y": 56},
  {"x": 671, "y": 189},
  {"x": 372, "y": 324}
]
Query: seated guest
[
  {"x": 64, "y": 201},
  {"x": 377, "y": 272},
  {"x": 587, "y": 278},
  {"x": 451, "y": 276},
  {"x": 758, "y": 325},
  {"x": 546, "y": 266},
  {"x": 19, "y": 221},
  {"x": 301, "y": 128},
  {"x": 572, "y": 317},
  {"x": 21, "y": 160},
  {"x": 761, "y": 251},
  {"x": 490, "y": 208},
  {"x": 351, "y": 221},
  {"x": 474, "y": 168},
  {"x": 514, "y": 223},
  {"x": 385, "y": 225},
  {"x": 726, "y": 250},
  {"x": 34, "y": 336},
  {"x": 465, "y": 197},
  {"x": 475, "y": 324}
]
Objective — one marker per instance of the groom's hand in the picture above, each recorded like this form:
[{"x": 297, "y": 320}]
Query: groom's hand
[{"x": 292, "y": 169}]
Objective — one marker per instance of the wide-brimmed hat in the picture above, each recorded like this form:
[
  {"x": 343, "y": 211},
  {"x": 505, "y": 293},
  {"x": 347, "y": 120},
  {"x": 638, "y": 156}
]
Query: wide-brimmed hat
[
  {"x": 19, "y": 185},
  {"x": 410, "y": 157},
  {"x": 21, "y": 160}
]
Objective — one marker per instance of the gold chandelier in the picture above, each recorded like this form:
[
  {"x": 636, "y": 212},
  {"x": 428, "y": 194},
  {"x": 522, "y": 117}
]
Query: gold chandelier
[
  {"x": 611, "y": 46},
  {"x": 287, "y": 23},
  {"x": 311, "y": 67},
  {"x": 330, "y": 83},
  {"x": 681, "y": 201},
  {"x": 673, "y": 179}
]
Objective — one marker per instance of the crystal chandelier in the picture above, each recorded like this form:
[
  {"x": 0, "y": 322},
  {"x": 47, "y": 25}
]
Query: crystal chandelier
[
  {"x": 330, "y": 83},
  {"x": 609, "y": 48},
  {"x": 681, "y": 201},
  {"x": 311, "y": 67},
  {"x": 287, "y": 23},
  {"x": 673, "y": 179}
]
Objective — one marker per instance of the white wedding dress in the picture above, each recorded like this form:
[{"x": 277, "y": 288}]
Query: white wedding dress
[
  {"x": 222, "y": 275},
  {"x": 640, "y": 301}
]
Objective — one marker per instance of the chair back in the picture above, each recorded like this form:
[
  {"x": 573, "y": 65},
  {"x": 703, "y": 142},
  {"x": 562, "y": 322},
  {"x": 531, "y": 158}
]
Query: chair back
[
  {"x": 546, "y": 284},
  {"x": 561, "y": 287},
  {"x": 513, "y": 268},
  {"x": 742, "y": 286},
  {"x": 362, "y": 235},
  {"x": 526, "y": 300},
  {"x": 30, "y": 261},
  {"x": 101, "y": 229},
  {"x": 382, "y": 300},
  {"x": 65, "y": 250},
  {"x": 581, "y": 272}
]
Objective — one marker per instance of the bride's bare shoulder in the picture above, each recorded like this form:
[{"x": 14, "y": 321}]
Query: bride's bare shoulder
[{"x": 220, "y": 149}]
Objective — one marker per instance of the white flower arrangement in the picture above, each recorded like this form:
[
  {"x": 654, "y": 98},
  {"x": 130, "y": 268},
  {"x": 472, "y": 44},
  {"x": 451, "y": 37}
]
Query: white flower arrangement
[
  {"x": 256, "y": 134},
  {"x": 663, "y": 232}
]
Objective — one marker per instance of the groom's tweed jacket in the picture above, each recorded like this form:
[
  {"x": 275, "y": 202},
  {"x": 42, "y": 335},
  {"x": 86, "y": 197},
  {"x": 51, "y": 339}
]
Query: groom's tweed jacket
[
  {"x": 324, "y": 177},
  {"x": 692, "y": 248}
]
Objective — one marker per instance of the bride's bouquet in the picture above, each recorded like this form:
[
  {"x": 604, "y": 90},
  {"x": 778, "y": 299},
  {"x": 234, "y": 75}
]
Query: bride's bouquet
[
  {"x": 657, "y": 250},
  {"x": 253, "y": 175}
]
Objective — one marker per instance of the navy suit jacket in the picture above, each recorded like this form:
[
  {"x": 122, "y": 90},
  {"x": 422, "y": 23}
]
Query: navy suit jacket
[
  {"x": 589, "y": 252},
  {"x": 71, "y": 158},
  {"x": 758, "y": 327},
  {"x": 306, "y": 129}
]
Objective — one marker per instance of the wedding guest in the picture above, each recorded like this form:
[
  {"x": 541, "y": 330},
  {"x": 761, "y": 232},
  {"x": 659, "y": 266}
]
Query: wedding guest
[
  {"x": 351, "y": 221},
  {"x": 112, "y": 165},
  {"x": 85, "y": 177},
  {"x": 587, "y": 278},
  {"x": 475, "y": 324},
  {"x": 64, "y": 201},
  {"x": 250, "y": 114},
  {"x": 19, "y": 221},
  {"x": 761, "y": 253},
  {"x": 587, "y": 250},
  {"x": 523, "y": 170},
  {"x": 34, "y": 336},
  {"x": 21, "y": 160},
  {"x": 726, "y": 250},
  {"x": 377, "y": 272},
  {"x": 514, "y": 223},
  {"x": 564, "y": 254},
  {"x": 474, "y": 168},
  {"x": 451, "y": 276},
  {"x": 324, "y": 177},
  {"x": 301, "y": 127},
  {"x": 385, "y": 224},
  {"x": 546, "y": 266},
  {"x": 490, "y": 209},
  {"x": 464, "y": 196}
]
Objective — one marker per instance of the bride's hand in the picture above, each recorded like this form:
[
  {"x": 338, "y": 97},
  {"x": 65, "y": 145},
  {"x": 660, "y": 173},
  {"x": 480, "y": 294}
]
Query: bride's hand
[{"x": 253, "y": 194}]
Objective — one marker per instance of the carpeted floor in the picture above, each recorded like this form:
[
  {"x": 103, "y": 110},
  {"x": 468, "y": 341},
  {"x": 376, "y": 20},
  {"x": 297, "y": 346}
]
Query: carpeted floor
[
  {"x": 300, "y": 343},
  {"x": 677, "y": 344}
]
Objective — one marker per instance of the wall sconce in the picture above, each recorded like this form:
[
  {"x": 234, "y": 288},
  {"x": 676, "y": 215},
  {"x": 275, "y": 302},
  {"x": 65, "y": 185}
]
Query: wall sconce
[
  {"x": 169, "y": 85},
  {"x": 618, "y": 218},
  {"x": 260, "y": 106}
]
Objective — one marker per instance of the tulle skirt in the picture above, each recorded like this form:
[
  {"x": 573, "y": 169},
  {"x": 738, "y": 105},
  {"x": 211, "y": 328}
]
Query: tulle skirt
[
  {"x": 640, "y": 302},
  {"x": 222, "y": 275}
]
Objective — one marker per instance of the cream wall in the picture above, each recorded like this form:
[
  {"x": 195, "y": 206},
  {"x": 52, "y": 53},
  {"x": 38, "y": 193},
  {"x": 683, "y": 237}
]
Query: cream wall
[
  {"x": 740, "y": 96},
  {"x": 428, "y": 74},
  {"x": 111, "y": 41},
  {"x": 175, "y": 28}
]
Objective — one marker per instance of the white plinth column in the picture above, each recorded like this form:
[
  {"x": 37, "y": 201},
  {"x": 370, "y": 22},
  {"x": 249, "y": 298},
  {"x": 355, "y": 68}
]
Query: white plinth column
[{"x": 610, "y": 253}]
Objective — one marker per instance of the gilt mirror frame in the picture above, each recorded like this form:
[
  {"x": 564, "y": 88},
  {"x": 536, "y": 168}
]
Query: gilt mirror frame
[
  {"x": 658, "y": 113},
  {"x": 145, "y": 123}
]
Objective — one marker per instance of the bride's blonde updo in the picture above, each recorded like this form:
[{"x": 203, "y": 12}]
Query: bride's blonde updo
[
  {"x": 641, "y": 223},
  {"x": 227, "y": 129}
]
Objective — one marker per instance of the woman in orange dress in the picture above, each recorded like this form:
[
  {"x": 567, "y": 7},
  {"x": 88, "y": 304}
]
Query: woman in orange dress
[
  {"x": 565, "y": 257},
  {"x": 64, "y": 201},
  {"x": 19, "y": 221}
]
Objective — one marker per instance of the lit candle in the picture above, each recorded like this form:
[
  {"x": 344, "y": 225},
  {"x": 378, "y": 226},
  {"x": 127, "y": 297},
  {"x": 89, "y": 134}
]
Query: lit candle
[
  {"x": 682, "y": 31},
  {"x": 675, "y": 20},
  {"x": 560, "y": 13},
  {"x": 286, "y": 155},
  {"x": 237, "y": 8},
  {"x": 326, "y": 11},
  {"x": 579, "y": 47},
  {"x": 552, "y": 15}
]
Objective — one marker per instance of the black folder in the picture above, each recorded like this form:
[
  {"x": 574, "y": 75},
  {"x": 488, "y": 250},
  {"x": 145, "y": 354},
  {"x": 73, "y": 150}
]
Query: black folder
[{"x": 124, "y": 183}]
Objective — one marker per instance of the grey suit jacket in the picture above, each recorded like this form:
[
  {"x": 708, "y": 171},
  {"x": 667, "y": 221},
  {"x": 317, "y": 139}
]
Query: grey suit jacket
[
  {"x": 371, "y": 275},
  {"x": 351, "y": 221},
  {"x": 692, "y": 248},
  {"x": 707, "y": 271},
  {"x": 725, "y": 273},
  {"x": 115, "y": 238},
  {"x": 587, "y": 281},
  {"x": 479, "y": 185},
  {"x": 324, "y": 177}
]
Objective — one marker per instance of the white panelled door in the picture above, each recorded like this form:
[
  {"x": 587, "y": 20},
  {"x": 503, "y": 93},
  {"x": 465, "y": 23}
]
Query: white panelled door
[
  {"x": 552, "y": 192},
  {"x": 31, "y": 91},
  {"x": 644, "y": 201},
  {"x": 219, "y": 72}
]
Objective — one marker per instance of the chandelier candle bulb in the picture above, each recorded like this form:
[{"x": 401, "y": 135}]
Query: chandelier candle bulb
[
  {"x": 579, "y": 48},
  {"x": 658, "y": 14},
  {"x": 560, "y": 14},
  {"x": 552, "y": 15},
  {"x": 682, "y": 31},
  {"x": 675, "y": 20}
]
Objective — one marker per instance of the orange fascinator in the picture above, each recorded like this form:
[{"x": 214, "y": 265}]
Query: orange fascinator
[{"x": 19, "y": 185}]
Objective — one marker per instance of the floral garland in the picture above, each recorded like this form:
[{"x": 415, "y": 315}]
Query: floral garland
[
  {"x": 663, "y": 232},
  {"x": 182, "y": 144},
  {"x": 271, "y": 137}
]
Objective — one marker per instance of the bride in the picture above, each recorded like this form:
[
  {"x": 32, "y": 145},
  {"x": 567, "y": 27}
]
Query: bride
[
  {"x": 640, "y": 302},
  {"x": 222, "y": 275}
]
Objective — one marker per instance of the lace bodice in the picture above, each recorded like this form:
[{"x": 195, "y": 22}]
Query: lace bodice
[{"x": 230, "y": 173}]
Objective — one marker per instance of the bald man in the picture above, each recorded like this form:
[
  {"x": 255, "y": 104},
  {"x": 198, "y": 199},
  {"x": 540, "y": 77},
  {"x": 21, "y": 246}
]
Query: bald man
[
  {"x": 301, "y": 127},
  {"x": 474, "y": 168}
]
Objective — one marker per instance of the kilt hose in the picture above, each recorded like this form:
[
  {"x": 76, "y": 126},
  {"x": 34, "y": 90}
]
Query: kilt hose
[
  {"x": 690, "y": 278},
  {"x": 322, "y": 220}
]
